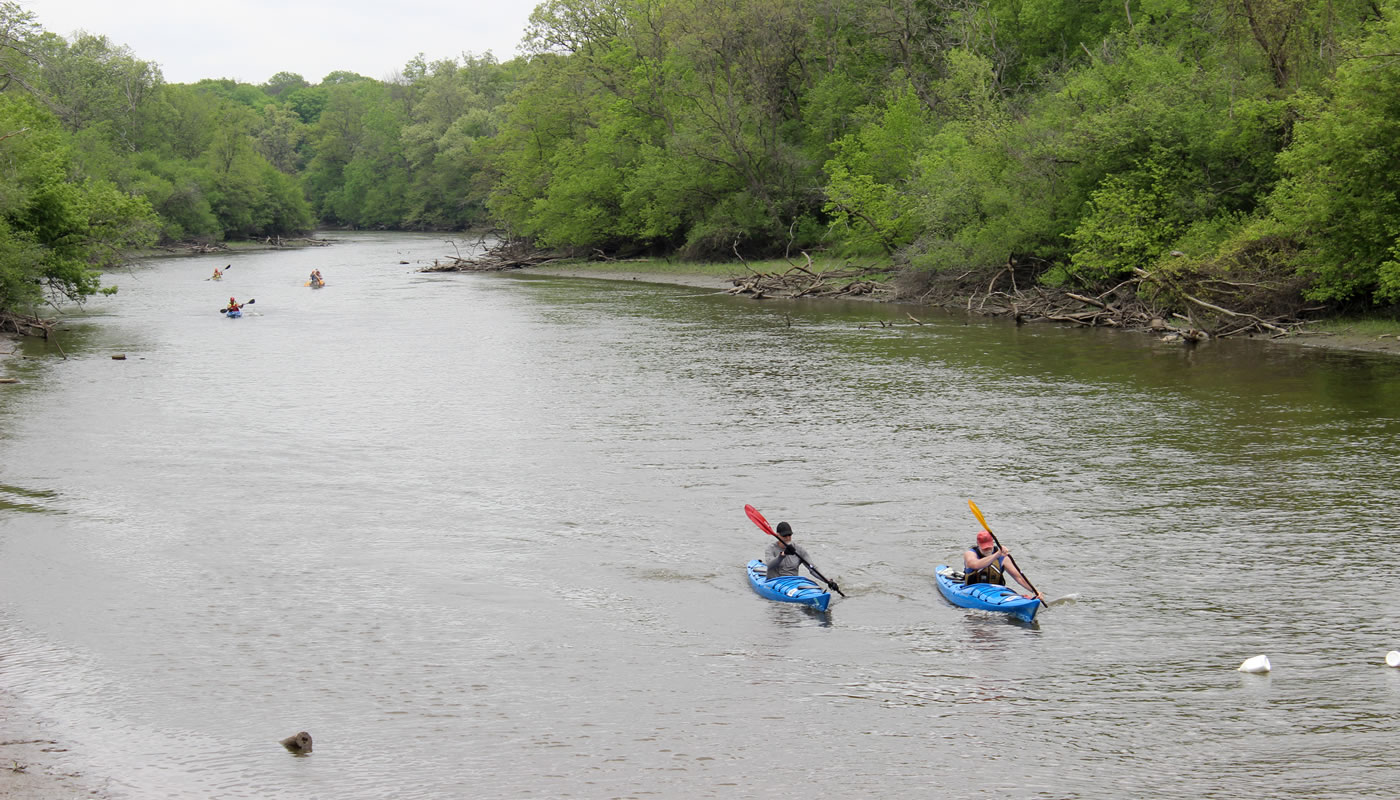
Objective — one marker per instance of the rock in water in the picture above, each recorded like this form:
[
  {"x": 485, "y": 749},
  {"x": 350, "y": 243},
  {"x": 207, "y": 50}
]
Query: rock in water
[
  {"x": 1258, "y": 664},
  {"x": 299, "y": 744}
]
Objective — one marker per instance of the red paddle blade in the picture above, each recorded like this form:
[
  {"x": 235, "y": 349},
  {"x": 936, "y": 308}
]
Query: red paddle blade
[{"x": 759, "y": 520}]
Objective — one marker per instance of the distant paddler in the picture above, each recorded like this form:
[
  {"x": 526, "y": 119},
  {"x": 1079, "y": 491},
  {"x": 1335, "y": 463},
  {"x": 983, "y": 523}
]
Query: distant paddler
[{"x": 235, "y": 308}]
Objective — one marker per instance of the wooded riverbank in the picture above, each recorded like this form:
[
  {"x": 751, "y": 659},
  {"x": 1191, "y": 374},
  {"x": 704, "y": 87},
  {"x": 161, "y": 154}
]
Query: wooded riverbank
[{"x": 1142, "y": 304}]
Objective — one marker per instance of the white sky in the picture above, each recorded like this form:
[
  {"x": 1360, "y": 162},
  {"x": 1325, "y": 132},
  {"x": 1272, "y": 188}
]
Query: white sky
[{"x": 252, "y": 40}]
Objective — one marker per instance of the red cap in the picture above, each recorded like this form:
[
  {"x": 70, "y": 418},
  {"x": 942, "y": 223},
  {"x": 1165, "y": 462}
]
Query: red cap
[{"x": 984, "y": 539}]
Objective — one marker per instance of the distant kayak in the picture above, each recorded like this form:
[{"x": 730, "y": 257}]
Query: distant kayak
[
  {"x": 234, "y": 314},
  {"x": 316, "y": 284},
  {"x": 787, "y": 589},
  {"x": 984, "y": 596}
]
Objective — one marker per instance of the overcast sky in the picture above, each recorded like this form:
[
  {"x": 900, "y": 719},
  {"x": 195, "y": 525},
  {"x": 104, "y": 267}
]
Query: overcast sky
[{"x": 252, "y": 40}]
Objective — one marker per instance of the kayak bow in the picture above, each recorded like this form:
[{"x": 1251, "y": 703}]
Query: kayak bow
[
  {"x": 787, "y": 589},
  {"x": 984, "y": 596}
]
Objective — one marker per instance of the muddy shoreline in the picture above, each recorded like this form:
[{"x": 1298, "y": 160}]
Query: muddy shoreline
[{"x": 1389, "y": 345}]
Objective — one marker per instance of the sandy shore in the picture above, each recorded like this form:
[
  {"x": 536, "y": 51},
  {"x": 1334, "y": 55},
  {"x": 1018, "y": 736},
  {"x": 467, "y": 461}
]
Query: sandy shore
[
  {"x": 1345, "y": 341},
  {"x": 699, "y": 280}
]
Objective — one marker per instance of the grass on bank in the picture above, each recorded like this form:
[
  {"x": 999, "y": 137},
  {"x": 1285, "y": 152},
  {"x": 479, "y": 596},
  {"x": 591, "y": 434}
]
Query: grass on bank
[{"x": 1374, "y": 326}]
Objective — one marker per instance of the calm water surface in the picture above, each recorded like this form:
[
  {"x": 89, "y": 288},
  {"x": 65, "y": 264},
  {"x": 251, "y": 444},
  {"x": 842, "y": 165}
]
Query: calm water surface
[{"x": 483, "y": 536}]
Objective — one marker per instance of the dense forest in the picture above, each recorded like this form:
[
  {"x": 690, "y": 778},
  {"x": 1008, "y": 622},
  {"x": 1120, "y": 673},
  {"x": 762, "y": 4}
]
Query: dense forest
[{"x": 1253, "y": 145}]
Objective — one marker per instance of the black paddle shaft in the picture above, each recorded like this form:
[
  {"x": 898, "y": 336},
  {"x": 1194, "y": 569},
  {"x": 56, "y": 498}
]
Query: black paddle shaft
[
  {"x": 996, "y": 542},
  {"x": 820, "y": 576}
]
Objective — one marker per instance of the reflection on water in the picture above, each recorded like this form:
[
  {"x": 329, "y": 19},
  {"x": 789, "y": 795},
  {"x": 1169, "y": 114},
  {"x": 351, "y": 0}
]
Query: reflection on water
[
  {"x": 15, "y": 498},
  {"x": 796, "y": 615},
  {"x": 488, "y": 531}
]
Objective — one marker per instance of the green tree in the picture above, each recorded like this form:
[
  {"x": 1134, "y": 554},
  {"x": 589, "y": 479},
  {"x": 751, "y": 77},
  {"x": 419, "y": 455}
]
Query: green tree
[
  {"x": 58, "y": 229},
  {"x": 283, "y": 83},
  {"x": 20, "y": 37},
  {"x": 307, "y": 102},
  {"x": 93, "y": 83},
  {"x": 359, "y": 175},
  {"x": 866, "y": 178},
  {"x": 1132, "y": 151},
  {"x": 454, "y": 112},
  {"x": 279, "y": 136},
  {"x": 1338, "y": 200}
]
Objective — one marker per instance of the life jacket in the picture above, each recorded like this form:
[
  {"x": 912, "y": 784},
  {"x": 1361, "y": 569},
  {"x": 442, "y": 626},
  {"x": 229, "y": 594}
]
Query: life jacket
[{"x": 989, "y": 574}]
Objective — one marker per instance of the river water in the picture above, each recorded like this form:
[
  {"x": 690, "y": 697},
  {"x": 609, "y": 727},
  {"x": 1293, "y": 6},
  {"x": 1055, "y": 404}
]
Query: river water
[{"x": 483, "y": 536}]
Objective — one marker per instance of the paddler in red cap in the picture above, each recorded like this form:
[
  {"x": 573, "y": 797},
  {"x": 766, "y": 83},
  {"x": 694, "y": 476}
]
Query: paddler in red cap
[{"x": 988, "y": 563}]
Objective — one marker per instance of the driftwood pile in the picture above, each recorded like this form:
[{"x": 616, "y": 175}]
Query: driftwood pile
[
  {"x": 1182, "y": 305},
  {"x": 195, "y": 248},
  {"x": 30, "y": 326},
  {"x": 802, "y": 281},
  {"x": 273, "y": 242},
  {"x": 299, "y": 241},
  {"x": 25, "y": 325},
  {"x": 503, "y": 256}
]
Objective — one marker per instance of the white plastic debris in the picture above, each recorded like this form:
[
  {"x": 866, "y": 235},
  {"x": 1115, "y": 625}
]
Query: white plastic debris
[
  {"x": 1392, "y": 659},
  {"x": 1258, "y": 664}
]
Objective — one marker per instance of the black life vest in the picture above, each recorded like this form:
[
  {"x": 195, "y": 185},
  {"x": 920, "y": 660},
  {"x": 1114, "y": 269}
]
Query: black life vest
[{"x": 989, "y": 574}]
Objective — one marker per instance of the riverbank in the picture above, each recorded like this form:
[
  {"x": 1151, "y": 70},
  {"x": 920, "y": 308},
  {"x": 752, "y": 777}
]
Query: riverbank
[
  {"x": 719, "y": 281},
  {"x": 1339, "y": 334},
  {"x": 184, "y": 249}
]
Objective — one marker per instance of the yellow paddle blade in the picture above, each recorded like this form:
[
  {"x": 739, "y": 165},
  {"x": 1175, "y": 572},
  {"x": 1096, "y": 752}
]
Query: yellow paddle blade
[{"x": 977, "y": 512}]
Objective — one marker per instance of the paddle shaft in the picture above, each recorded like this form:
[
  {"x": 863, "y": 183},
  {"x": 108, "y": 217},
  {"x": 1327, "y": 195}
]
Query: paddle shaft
[
  {"x": 977, "y": 512},
  {"x": 762, "y": 523}
]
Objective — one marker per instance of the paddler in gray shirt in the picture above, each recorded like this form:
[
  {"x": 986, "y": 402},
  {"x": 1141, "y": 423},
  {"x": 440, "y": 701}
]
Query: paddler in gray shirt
[{"x": 783, "y": 557}]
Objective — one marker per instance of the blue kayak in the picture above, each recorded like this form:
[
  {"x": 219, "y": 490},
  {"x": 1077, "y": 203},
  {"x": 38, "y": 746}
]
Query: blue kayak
[
  {"x": 789, "y": 588},
  {"x": 235, "y": 314},
  {"x": 984, "y": 596}
]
